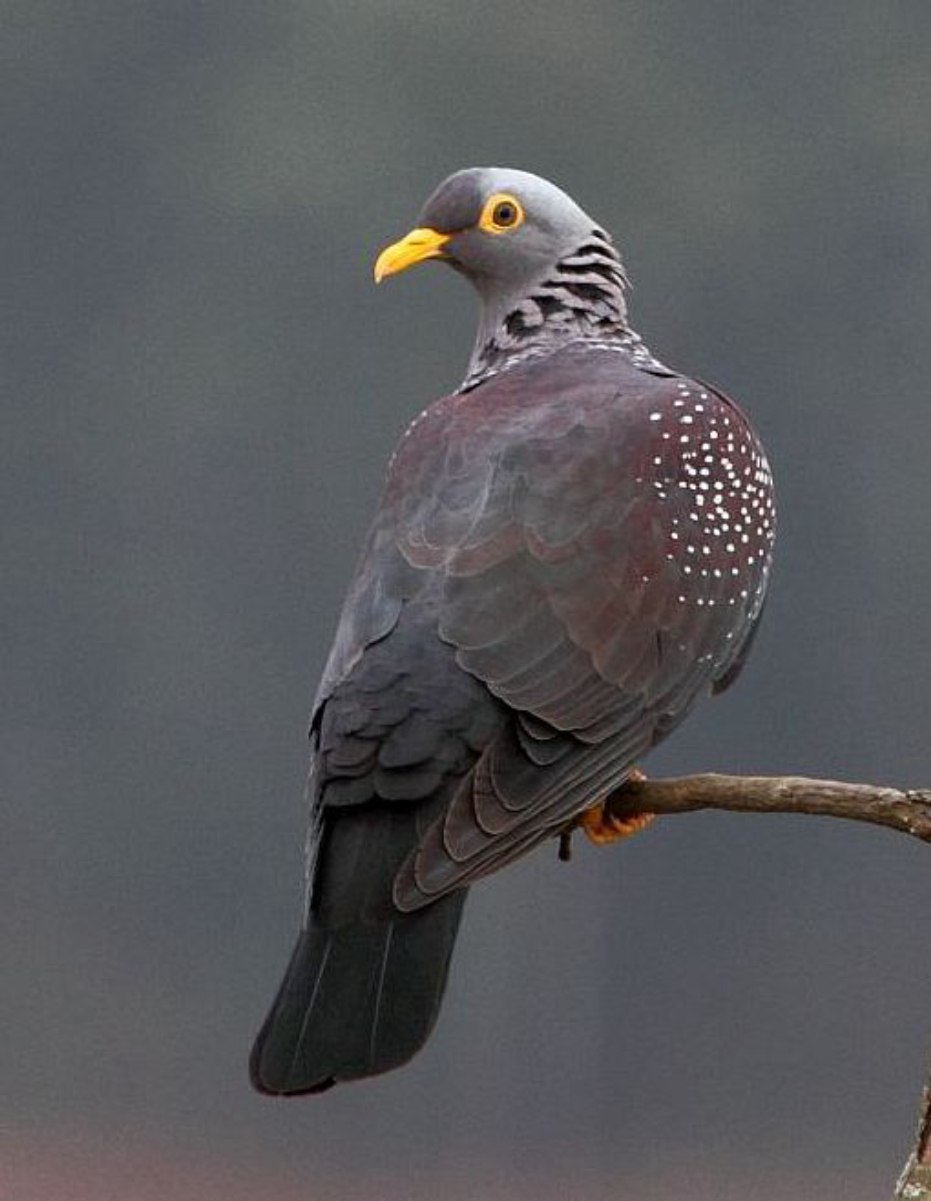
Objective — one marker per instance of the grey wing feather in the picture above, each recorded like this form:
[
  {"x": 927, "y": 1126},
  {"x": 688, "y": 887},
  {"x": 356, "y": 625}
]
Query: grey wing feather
[{"x": 583, "y": 581}]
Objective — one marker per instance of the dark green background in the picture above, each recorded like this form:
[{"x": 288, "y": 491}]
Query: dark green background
[{"x": 200, "y": 390}]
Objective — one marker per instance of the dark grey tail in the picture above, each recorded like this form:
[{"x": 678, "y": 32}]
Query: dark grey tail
[{"x": 364, "y": 985}]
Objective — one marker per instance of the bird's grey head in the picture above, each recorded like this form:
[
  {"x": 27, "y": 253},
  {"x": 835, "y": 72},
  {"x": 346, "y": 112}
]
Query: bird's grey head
[{"x": 545, "y": 271}]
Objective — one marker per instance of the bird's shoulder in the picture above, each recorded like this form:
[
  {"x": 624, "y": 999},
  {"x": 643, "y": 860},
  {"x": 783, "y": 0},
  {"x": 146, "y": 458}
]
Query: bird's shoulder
[
  {"x": 580, "y": 432},
  {"x": 550, "y": 392},
  {"x": 577, "y": 397}
]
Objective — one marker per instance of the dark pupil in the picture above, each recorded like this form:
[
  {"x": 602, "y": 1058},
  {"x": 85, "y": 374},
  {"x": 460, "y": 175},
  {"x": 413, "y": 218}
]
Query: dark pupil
[{"x": 504, "y": 213}]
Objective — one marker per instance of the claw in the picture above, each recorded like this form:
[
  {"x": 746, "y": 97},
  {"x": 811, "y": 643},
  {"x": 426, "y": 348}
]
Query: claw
[{"x": 601, "y": 828}]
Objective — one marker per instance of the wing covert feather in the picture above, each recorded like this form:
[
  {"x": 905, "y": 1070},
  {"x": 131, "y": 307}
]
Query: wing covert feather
[{"x": 589, "y": 542}]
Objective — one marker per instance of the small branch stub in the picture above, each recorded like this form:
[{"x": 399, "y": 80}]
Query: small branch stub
[{"x": 915, "y": 1182}]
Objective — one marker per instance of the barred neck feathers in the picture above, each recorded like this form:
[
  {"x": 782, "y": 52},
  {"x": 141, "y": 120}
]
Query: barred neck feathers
[{"x": 580, "y": 298}]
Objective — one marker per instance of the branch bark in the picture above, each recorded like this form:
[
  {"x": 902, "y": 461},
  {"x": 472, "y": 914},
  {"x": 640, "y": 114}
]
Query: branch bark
[
  {"x": 907, "y": 811},
  {"x": 915, "y": 1182}
]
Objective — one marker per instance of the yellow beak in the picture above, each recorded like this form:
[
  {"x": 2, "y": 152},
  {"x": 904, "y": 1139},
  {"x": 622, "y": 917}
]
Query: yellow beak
[{"x": 418, "y": 245}]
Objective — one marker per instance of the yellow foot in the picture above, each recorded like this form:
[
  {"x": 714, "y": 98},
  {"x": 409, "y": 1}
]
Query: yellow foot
[{"x": 601, "y": 828}]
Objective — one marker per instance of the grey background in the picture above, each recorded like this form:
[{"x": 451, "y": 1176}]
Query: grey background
[{"x": 200, "y": 391}]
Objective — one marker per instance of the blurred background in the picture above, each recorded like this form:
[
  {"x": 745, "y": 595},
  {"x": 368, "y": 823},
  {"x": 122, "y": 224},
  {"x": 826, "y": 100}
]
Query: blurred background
[{"x": 201, "y": 388}]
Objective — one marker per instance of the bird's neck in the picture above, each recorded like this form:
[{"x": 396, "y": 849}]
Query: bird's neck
[{"x": 580, "y": 298}]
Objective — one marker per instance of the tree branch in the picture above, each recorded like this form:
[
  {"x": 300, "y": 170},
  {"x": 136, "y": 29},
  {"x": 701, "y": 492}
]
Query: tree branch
[
  {"x": 915, "y": 1182},
  {"x": 906, "y": 811}
]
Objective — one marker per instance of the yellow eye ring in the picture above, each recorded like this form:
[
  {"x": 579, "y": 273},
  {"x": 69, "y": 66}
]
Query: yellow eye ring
[{"x": 501, "y": 214}]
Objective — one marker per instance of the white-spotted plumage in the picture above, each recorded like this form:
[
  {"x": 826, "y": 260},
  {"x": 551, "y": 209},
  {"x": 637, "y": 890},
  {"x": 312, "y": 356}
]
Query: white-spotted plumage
[{"x": 570, "y": 549}]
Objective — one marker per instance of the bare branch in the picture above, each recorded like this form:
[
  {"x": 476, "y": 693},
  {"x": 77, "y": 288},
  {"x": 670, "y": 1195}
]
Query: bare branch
[
  {"x": 906, "y": 811},
  {"x": 915, "y": 1182}
]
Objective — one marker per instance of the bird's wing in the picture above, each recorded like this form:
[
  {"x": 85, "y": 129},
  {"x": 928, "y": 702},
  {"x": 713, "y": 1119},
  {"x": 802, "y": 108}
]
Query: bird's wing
[{"x": 602, "y": 537}]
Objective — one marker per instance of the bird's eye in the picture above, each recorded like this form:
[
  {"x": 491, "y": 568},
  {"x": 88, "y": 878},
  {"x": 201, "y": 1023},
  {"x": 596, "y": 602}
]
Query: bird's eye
[{"x": 501, "y": 213}]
